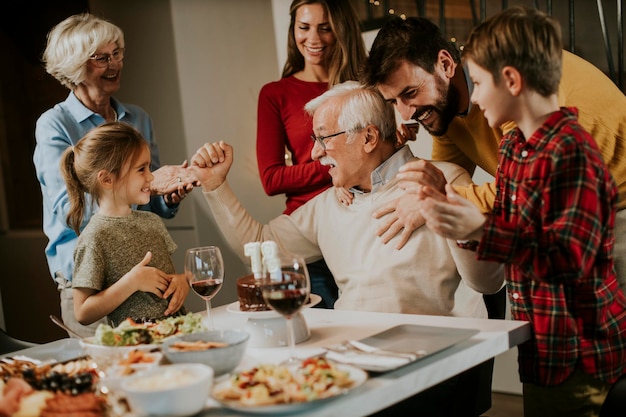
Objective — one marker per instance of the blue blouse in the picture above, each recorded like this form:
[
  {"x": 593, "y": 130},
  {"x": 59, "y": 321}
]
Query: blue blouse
[{"x": 57, "y": 129}]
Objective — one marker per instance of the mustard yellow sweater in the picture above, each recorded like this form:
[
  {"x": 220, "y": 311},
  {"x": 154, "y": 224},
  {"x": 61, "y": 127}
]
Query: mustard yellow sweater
[{"x": 470, "y": 142}]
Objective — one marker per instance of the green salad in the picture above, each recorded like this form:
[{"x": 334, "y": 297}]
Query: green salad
[{"x": 131, "y": 333}]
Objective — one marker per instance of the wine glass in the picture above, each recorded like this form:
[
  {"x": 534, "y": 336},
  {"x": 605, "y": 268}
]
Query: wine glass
[
  {"x": 286, "y": 290},
  {"x": 204, "y": 268}
]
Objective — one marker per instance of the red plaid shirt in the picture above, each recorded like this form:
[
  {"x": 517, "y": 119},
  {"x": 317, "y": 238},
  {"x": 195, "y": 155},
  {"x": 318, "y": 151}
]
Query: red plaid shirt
[{"x": 552, "y": 225}]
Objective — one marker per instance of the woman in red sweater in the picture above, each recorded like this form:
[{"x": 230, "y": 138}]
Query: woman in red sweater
[{"x": 324, "y": 48}]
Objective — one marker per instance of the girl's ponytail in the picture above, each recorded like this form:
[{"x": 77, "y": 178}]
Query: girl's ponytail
[{"x": 75, "y": 190}]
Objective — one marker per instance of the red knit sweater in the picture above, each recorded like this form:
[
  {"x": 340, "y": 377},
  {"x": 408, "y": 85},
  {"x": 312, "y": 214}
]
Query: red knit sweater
[{"x": 283, "y": 123}]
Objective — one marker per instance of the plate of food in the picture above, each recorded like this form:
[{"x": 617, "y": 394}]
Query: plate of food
[
  {"x": 235, "y": 307},
  {"x": 33, "y": 387},
  {"x": 276, "y": 389}
]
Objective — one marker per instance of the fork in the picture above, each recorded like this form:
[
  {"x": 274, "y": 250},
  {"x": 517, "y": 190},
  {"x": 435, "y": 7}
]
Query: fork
[
  {"x": 365, "y": 348},
  {"x": 347, "y": 347}
]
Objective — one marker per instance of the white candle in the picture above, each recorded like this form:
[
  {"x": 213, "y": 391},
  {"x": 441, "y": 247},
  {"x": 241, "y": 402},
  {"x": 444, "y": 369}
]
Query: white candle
[
  {"x": 270, "y": 259},
  {"x": 253, "y": 250}
]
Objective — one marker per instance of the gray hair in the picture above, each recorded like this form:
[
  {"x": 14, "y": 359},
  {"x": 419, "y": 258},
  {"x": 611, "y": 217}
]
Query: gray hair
[
  {"x": 73, "y": 41},
  {"x": 361, "y": 106}
]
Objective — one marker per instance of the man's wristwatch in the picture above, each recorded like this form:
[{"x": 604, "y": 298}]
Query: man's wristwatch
[{"x": 467, "y": 244}]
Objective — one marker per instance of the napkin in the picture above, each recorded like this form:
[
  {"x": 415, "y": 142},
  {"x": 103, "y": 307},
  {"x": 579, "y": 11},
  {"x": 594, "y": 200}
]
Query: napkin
[{"x": 368, "y": 361}]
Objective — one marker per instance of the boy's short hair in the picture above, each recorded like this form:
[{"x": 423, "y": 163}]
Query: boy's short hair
[{"x": 527, "y": 39}]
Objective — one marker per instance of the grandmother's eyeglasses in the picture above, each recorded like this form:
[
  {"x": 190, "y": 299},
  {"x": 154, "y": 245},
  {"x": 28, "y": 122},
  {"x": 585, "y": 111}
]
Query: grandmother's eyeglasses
[
  {"x": 321, "y": 139},
  {"x": 104, "y": 60}
]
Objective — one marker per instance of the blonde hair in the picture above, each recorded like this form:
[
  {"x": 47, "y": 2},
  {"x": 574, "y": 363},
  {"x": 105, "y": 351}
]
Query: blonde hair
[
  {"x": 524, "y": 38},
  {"x": 108, "y": 147},
  {"x": 73, "y": 41},
  {"x": 347, "y": 56}
]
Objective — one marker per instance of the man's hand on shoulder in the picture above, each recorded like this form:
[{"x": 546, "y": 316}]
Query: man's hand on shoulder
[
  {"x": 403, "y": 215},
  {"x": 399, "y": 217}
]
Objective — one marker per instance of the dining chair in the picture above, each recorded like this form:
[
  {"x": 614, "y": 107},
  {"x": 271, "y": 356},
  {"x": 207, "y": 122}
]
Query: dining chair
[
  {"x": 10, "y": 344},
  {"x": 615, "y": 402}
]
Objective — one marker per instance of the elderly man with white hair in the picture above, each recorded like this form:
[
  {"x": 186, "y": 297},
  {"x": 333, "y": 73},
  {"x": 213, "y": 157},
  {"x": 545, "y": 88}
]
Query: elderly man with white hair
[{"x": 355, "y": 134}]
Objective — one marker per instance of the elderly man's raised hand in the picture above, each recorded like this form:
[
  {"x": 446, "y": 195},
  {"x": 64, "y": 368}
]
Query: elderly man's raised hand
[{"x": 211, "y": 164}]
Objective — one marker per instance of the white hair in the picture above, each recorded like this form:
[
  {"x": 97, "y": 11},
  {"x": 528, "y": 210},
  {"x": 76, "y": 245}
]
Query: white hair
[
  {"x": 360, "y": 106},
  {"x": 73, "y": 41}
]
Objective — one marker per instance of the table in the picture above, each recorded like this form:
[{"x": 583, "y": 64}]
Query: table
[
  {"x": 333, "y": 326},
  {"x": 330, "y": 327}
]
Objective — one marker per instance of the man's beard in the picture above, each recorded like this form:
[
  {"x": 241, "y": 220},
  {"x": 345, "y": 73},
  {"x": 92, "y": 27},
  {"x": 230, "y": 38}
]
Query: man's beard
[{"x": 445, "y": 109}]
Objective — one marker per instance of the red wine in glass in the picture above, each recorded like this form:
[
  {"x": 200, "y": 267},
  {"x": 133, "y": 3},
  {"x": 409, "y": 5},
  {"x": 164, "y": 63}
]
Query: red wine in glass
[
  {"x": 285, "y": 301},
  {"x": 286, "y": 291},
  {"x": 207, "y": 288},
  {"x": 204, "y": 268}
]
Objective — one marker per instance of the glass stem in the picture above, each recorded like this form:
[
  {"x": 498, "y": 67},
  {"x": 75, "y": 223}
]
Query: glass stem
[
  {"x": 291, "y": 340},
  {"x": 209, "y": 315}
]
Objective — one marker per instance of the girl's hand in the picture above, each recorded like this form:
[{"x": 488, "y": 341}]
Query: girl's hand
[
  {"x": 178, "y": 289},
  {"x": 149, "y": 279}
]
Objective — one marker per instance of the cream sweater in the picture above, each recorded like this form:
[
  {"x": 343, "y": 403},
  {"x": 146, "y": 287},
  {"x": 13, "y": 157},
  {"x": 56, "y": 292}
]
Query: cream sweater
[{"x": 429, "y": 275}]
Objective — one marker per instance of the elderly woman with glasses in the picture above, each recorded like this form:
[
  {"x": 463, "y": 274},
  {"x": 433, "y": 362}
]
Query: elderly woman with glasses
[{"x": 85, "y": 54}]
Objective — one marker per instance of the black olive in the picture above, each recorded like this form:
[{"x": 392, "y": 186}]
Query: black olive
[{"x": 144, "y": 336}]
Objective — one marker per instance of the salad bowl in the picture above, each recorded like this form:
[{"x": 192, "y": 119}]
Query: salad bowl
[{"x": 111, "y": 344}]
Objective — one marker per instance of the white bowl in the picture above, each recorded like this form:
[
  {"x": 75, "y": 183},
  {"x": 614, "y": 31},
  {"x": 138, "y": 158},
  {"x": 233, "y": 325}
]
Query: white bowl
[
  {"x": 118, "y": 372},
  {"x": 169, "y": 390},
  {"x": 272, "y": 331},
  {"x": 221, "y": 359}
]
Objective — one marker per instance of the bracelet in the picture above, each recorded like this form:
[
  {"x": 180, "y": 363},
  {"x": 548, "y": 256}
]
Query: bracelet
[{"x": 467, "y": 244}]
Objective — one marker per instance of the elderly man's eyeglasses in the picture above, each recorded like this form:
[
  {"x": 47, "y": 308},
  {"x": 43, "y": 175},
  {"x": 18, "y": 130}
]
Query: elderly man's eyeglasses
[
  {"x": 104, "y": 60},
  {"x": 321, "y": 139}
]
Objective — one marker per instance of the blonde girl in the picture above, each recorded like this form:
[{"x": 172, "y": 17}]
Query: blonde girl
[{"x": 123, "y": 265}]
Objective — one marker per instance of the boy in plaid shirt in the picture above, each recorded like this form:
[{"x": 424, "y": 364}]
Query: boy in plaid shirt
[{"x": 552, "y": 222}]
